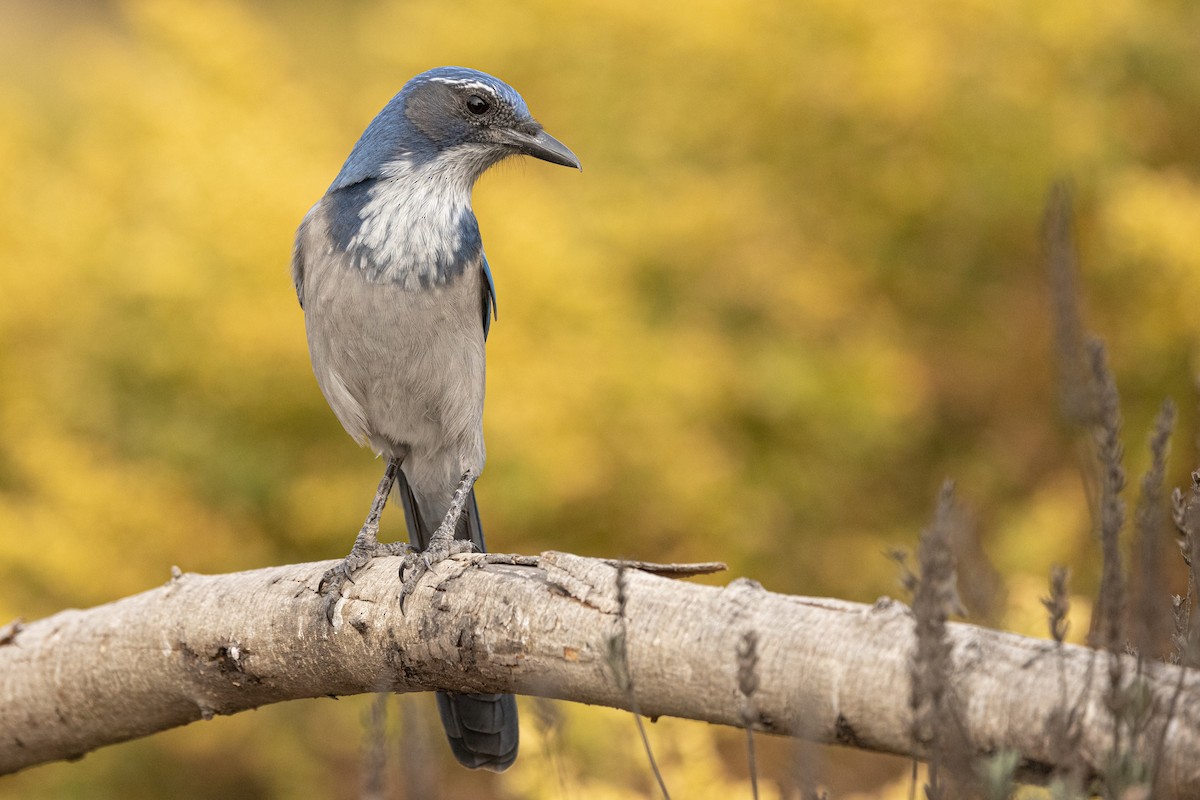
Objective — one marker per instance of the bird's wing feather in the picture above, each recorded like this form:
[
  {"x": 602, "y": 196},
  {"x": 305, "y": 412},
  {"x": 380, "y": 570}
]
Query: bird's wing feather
[
  {"x": 318, "y": 272},
  {"x": 298, "y": 255},
  {"x": 489, "y": 297}
]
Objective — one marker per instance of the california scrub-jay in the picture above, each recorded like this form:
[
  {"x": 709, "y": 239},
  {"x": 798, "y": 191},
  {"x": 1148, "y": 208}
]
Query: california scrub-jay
[{"x": 397, "y": 300}]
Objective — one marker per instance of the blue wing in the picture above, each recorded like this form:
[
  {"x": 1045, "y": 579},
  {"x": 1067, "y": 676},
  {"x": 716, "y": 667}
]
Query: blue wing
[{"x": 489, "y": 297}]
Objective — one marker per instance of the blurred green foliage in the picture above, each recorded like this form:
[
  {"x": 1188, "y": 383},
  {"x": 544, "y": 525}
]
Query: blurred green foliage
[{"x": 797, "y": 284}]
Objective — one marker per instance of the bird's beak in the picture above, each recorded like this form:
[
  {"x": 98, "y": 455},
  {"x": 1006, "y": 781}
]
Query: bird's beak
[{"x": 544, "y": 146}]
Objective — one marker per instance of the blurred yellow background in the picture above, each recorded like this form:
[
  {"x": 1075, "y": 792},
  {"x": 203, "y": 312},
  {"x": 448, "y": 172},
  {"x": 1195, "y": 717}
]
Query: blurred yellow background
[{"x": 797, "y": 284}]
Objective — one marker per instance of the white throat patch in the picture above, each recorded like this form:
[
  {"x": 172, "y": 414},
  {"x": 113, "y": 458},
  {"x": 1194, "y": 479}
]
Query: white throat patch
[{"x": 417, "y": 225}]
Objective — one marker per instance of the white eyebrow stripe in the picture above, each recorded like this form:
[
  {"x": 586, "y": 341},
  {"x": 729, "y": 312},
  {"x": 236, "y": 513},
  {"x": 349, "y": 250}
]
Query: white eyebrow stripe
[{"x": 466, "y": 84}]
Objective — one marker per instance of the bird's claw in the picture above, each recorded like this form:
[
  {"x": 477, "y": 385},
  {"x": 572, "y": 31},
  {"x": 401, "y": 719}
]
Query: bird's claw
[
  {"x": 330, "y": 586},
  {"x": 417, "y": 563},
  {"x": 338, "y": 575}
]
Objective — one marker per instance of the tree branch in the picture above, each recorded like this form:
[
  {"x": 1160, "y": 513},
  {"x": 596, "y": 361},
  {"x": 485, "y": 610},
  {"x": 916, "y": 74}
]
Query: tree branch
[{"x": 827, "y": 670}]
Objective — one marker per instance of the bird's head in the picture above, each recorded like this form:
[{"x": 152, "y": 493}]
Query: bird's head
[{"x": 455, "y": 116}]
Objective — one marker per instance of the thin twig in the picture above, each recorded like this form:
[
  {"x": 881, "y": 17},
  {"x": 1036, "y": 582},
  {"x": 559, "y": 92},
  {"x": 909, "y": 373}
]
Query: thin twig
[
  {"x": 374, "y": 777},
  {"x": 1150, "y": 523},
  {"x": 753, "y": 762},
  {"x": 1062, "y": 264},
  {"x": 1166, "y": 726},
  {"x": 662, "y": 786},
  {"x": 804, "y": 770},
  {"x": 619, "y": 661},
  {"x": 417, "y": 758},
  {"x": 683, "y": 570},
  {"x": 936, "y": 719},
  {"x": 1062, "y": 722},
  {"x": 1106, "y": 629},
  {"x": 549, "y": 722},
  {"x": 670, "y": 570},
  {"x": 1186, "y": 514},
  {"x": 747, "y": 654},
  {"x": 1058, "y": 604}
]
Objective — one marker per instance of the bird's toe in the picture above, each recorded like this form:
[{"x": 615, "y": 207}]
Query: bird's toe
[
  {"x": 417, "y": 562},
  {"x": 334, "y": 579}
]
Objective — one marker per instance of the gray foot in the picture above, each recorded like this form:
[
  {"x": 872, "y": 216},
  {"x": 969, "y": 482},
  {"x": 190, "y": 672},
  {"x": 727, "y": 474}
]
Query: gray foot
[
  {"x": 366, "y": 546},
  {"x": 365, "y": 549},
  {"x": 416, "y": 563}
]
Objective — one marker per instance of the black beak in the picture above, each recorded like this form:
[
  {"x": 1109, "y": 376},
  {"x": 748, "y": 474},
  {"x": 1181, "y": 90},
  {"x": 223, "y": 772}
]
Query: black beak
[{"x": 544, "y": 146}]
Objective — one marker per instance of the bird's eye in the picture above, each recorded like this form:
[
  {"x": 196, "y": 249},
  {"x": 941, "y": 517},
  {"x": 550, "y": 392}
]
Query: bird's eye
[{"x": 478, "y": 105}]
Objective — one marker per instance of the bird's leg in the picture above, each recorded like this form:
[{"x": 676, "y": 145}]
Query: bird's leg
[
  {"x": 366, "y": 544},
  {"x": 442, "y": 544}
]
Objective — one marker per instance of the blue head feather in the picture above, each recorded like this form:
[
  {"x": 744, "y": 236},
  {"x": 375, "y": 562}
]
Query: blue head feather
[{"x": 413, "y": 127}]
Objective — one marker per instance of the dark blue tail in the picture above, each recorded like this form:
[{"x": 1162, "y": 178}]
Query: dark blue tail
[{"x": 482, "y": 728}]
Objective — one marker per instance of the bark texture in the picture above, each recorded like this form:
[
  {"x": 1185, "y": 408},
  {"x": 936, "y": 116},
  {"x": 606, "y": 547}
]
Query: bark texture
[{"x": 572, "y": 628}]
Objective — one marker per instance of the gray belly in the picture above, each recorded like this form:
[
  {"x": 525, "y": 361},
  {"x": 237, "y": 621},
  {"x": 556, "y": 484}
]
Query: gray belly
[{"x": 403, "y": 370}]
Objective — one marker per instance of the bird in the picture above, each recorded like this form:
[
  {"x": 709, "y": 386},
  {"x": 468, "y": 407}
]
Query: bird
[{"x": 398, "y": 300}]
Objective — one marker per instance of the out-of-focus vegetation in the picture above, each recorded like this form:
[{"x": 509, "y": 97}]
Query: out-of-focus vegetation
[{"x": 797, "y": 284}]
